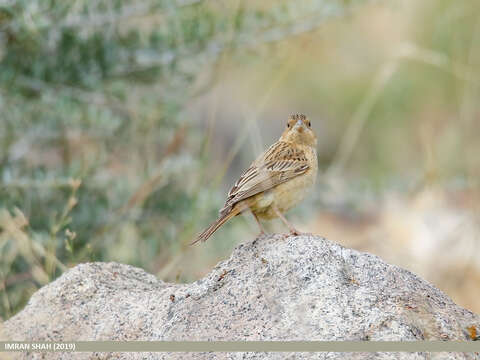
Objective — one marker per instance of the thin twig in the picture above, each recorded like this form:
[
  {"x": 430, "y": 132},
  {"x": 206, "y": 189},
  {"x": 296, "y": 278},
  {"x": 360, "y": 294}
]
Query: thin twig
[
  {"x": 359, "y": 118},
  {"x": 407, "y": 51},
  {"x": 151, "y": 184}
]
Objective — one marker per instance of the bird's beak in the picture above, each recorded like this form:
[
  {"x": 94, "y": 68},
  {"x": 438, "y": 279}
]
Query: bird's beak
[{"x": 299, "y": 126}]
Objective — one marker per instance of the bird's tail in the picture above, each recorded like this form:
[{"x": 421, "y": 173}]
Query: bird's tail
[{"x": 222, "y": 219}]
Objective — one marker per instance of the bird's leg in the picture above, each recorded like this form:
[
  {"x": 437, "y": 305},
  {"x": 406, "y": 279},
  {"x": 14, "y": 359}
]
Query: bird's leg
[
  {"x": 262, "y": 231},
  {"x": 292, "y": 229}
]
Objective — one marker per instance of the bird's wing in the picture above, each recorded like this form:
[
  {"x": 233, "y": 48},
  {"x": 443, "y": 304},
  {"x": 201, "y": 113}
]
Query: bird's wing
[{"x": 281, "y": 162}]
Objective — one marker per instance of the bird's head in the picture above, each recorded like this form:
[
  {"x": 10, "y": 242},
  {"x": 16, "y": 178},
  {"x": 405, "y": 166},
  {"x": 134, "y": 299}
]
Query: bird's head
[{"x": 299, "y": 131}]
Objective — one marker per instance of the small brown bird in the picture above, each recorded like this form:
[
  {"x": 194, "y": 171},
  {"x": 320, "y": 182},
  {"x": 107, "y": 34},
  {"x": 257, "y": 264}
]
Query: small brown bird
[{"x": 276, "y": 181}]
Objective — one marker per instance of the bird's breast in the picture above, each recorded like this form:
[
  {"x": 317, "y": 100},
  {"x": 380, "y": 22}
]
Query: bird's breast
[{"x": 288, "y": 194}]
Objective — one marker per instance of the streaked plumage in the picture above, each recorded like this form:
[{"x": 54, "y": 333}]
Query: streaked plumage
[{"x": 277, "y": 180}]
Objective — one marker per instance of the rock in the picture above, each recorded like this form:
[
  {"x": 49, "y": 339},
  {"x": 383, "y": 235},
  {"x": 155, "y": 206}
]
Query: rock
[{"x": 298, "y": 288}]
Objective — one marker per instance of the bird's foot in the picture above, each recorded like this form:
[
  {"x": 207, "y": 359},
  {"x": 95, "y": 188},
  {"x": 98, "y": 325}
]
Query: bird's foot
[
  {"x": 290, "y": 233},
  {"x": 296, "y": 232},
  {"x": 262, "y": 234}
]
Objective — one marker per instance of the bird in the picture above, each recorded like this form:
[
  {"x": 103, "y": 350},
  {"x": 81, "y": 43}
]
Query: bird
[{"x": 276, "y": 181}]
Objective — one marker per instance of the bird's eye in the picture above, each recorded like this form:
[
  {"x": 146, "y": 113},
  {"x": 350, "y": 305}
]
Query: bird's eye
[
  {"x": 288, "y": 125},
  {"x": 309, "y": 124}
]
